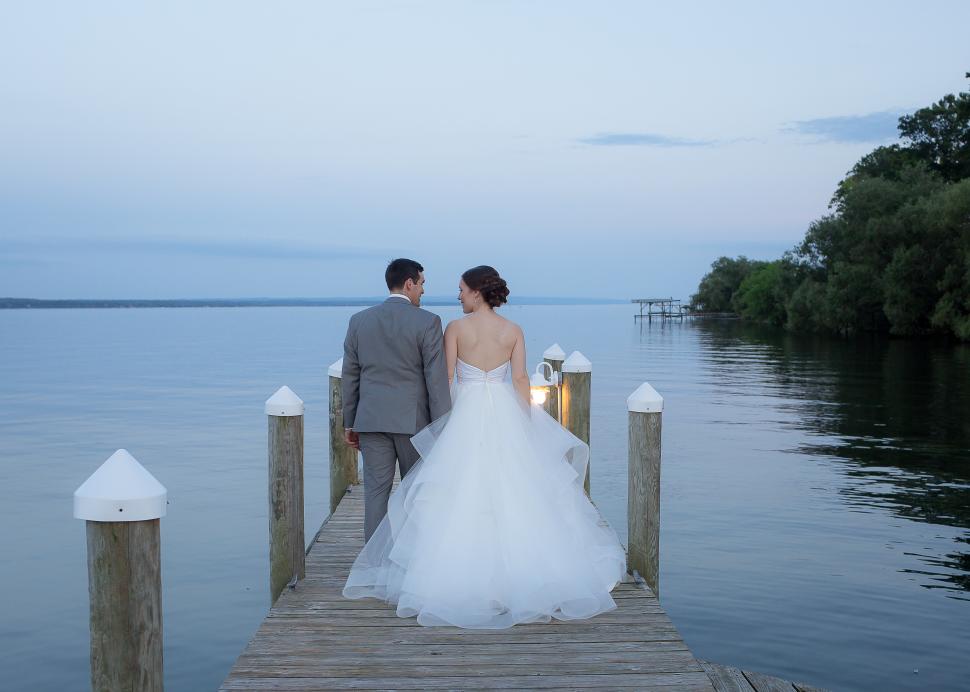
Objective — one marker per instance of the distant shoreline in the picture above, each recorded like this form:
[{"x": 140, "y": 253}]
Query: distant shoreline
[{"x": 42, "y": 304}]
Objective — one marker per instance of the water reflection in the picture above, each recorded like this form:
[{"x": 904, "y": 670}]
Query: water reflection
[
  {"x": 895, "y": 412},
  {"x": 958, "y": 579}
]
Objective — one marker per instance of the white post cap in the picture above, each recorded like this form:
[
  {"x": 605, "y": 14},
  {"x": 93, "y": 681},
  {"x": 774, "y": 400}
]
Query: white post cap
[
  {"x": 577, "y": 362},
  {"x": 337, "y": 368},
  {"x": 120, "y": 490},
  {"x": 284, "y": 403},
  {"x": 554, "y": 352},
  {"x": 645, "y": 400}
]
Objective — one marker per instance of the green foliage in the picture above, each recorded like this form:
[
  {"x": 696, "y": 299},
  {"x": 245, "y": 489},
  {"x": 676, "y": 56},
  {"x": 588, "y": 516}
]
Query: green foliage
[
  {"x": 853, "y": 299},
  {"x": 806, "y": 307},
  {"x": 952, "y": 310},
  {"x": 884, "y": 162},
  {"x": 763, "y": 294},
  {"x": 894, "y": 256},
  {"x": 940, "y": 135},
  {"x": 908, "y": 293},
  {"x": 719, "y": 285}
]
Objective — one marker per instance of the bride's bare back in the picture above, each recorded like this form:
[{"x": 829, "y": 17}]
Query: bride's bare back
[{"x": 486, "y": 340}]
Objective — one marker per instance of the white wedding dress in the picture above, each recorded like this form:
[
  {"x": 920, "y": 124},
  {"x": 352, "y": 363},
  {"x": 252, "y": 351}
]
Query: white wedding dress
[{"x": 491, "y": 527}]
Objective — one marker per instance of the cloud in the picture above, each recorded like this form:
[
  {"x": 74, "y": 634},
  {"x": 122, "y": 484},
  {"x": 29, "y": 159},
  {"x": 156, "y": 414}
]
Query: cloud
[
  {"x": 871, "y": 127},
  {"x": 643, "y": 139}
]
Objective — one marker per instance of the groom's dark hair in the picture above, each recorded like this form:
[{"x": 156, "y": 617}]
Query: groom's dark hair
[{"x": 400, "y": 270}]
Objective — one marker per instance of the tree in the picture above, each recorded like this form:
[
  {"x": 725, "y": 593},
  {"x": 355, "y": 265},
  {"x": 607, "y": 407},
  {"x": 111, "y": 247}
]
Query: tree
[
  {"x": 806, "y": 307},
  {"x": 894, "y": 254},
  {"x": 882, "y": 162},
  {"x": 952, "y": 219},
  {"x": 940, "y": 135},
  {"x": 937, "y": 136},
  {"x": 853, "y": 299},
  {"x": 764, "y": 293},
  {"x": 909, "y": 292},
  {"x": 717, "y": 287}
]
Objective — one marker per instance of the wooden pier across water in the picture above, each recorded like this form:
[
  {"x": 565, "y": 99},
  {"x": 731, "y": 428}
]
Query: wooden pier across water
[{"x": 315, "y": 639}]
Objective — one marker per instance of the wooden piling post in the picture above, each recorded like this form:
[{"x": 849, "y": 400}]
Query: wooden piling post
[
  {"x": 645, "y": 408},
  {"x": 343, "y": 457},
  {"x": 287, "y": 545},
  {"x": 122, "y": 504},
  {"x": 554, "y": 355},
  {"x": 576, "y": 382}
]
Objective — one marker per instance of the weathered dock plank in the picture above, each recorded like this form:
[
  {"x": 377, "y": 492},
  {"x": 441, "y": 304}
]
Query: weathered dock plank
[
  {"x": 730, "y": 679},
  {"x": 314, "y": 639},
  {"x": 727, "y": 678}
]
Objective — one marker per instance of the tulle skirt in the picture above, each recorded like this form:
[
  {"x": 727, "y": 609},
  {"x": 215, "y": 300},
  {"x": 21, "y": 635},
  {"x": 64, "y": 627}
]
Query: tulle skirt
[{"x": 491, "y": 527}]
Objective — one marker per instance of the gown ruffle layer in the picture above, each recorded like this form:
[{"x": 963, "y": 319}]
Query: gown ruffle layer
[{"x": 491, "y": 527}]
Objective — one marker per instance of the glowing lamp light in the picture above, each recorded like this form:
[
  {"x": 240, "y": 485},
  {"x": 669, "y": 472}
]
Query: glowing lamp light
[{"x": 540, "y": 382}]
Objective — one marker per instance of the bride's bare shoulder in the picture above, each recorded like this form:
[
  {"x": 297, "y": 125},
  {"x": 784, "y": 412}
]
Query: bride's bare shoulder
[
  {"x": 510, "y": 327},
  {"x": 456, "y": 324}
]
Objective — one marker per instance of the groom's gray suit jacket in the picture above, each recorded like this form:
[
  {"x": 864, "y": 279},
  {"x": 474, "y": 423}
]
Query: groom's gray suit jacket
[{"x": 394, "y": 378}]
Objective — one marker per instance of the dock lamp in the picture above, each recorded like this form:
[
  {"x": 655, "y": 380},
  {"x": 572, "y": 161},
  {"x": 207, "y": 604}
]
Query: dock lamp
[{"x": 541, "y": 382}]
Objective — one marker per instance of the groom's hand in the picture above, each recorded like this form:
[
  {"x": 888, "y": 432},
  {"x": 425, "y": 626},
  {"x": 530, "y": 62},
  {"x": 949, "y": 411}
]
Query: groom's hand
[{"x": 352, "y": 439}]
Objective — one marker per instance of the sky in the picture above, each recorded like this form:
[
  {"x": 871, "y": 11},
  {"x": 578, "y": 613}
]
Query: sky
[{"x": 601, "y": 149}]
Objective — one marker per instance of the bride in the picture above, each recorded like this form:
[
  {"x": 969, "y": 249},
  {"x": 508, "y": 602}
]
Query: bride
[{"x": 491, "y": 527}]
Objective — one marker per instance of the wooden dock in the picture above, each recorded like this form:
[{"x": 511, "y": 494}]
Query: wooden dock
[
  {"x": 661, "y": 308},
  {"x": 730, "y": 679},
  {"x": 315, "y": 639}
]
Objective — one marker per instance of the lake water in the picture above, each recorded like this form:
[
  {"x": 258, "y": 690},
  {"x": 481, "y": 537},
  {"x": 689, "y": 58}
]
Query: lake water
[{"x": 815, "y": 492}]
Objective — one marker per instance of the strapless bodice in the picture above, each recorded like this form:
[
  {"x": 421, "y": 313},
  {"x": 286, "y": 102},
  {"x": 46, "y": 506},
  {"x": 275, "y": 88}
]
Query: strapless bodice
[{"x": 468, "y": 373}]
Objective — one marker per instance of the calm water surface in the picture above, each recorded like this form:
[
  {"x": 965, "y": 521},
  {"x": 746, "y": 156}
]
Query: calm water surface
[{"x": 815, "y": 492}]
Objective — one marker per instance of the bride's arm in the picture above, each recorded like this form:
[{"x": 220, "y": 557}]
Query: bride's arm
[
  {"x": 451, "y": 349},
  {"x": 520, "y": 377}
]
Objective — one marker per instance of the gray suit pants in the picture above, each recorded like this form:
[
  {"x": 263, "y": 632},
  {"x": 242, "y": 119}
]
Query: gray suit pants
[{"x": 380, "y": 450}]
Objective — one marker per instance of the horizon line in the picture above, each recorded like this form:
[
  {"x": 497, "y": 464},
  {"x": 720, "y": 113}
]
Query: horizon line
[{"x": 7, "y": 302}]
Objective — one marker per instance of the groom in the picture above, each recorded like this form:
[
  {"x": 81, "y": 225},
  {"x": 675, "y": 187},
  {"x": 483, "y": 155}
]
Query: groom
[{"x": 394, "y": 382}]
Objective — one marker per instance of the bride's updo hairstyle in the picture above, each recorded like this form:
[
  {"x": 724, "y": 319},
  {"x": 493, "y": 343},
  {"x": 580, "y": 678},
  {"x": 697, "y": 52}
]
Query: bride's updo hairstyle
[{"x": 486, "y": 280}]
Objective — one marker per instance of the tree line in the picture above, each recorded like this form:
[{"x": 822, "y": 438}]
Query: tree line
[{"x": 892, "y": 256}]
